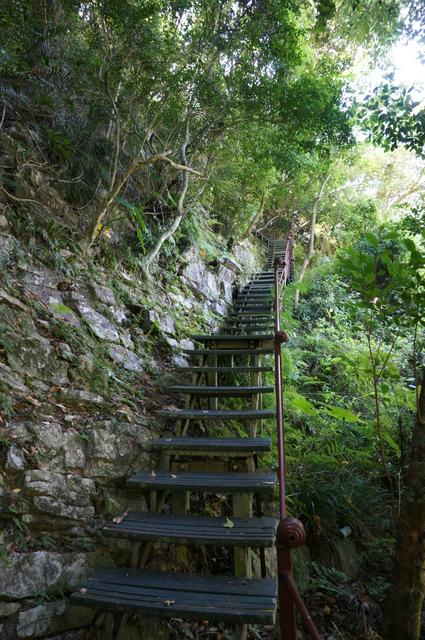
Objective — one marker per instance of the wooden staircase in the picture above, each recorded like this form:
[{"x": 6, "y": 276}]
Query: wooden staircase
[{"x": 196, "y": 464}]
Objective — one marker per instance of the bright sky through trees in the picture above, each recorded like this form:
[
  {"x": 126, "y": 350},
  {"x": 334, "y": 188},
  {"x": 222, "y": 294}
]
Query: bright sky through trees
[{"x": 405, "y": 60}]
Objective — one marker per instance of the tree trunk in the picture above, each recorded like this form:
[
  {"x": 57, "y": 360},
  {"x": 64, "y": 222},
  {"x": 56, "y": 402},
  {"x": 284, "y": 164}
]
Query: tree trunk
[
  {"x": 120, "y": 181},
  {"x": 173, "y": 226},
  {"x": 310, "y": 252},
  {"x": 403, "y": 605},
  {"x": 256, "y": 217}
]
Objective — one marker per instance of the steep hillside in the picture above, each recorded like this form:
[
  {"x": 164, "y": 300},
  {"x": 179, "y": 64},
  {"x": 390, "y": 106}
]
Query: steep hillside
[{"x": 85, "y": 349}]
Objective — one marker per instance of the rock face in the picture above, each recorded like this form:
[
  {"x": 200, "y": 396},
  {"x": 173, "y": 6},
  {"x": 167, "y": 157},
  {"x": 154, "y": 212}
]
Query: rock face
[
  {"x": 79, "y": 398},
  {"x": 126, "y": 358},
  {"x": 66, "y": 496},
  {"x": 348, "y": 557},
  {"x": 7, "y": 249},
  {"x": 214, "y": 285},
  {"x": 27, "y": 575},
  {"x": 53, "y": 617},
  {"x": 77, "y": 353},
  {"x": 99, "y": 324}
]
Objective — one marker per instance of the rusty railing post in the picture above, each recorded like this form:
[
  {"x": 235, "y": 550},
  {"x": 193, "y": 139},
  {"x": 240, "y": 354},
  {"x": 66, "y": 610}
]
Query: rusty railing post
[{"x": 290, "y": 532}]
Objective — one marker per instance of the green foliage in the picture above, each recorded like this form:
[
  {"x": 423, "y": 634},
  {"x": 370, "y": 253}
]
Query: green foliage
[
  {"x": 138, "y": 220},
  {"x": 391, "y": 118},
  {"x": 386, "y": 273},
  {"x": 198, "y": 228},
  {"x": 246, "y": 79},
  {"x": 60, "y": 145},
  {"x": 59, "y": 307}
]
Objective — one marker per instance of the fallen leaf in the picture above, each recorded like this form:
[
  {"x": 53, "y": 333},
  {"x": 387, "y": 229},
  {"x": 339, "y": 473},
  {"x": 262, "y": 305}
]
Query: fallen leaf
[
  {"x": 120, "y": 518},
  {"x": 17, "y": 490},
  {"x": 228, "y": 524}
]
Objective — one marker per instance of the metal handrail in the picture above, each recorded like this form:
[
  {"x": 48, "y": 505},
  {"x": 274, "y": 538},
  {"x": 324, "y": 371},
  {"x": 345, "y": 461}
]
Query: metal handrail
[{"x": 290, "y": 532}]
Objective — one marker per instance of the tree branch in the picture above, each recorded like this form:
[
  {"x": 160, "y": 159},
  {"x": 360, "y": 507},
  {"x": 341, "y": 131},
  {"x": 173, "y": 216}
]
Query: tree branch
[
  {"x": 168, "y": 232},
  {"x": 120, "y": 181}
]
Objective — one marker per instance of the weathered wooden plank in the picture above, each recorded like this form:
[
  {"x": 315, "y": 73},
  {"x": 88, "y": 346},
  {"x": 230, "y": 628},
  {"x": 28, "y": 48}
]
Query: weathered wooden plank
[
  {"x": 227, "y": 611},
  {"x": 219, "y": 337},
  {"x": 257, "y": 532},
  {"x": 226, "y": 352},
  {"x": 206, "y": 369},
  {"x": 219, "y": 414},
  {"x": 250, "y": 314},
  {"x": 232, "y": 392},
  {"x": 219, "y": 445},
  {"x": 187, "y": 583},
  {"x": 260, "y": 482}
]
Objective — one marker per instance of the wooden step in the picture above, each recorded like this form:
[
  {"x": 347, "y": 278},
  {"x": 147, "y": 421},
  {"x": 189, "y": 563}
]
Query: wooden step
[
  {"x": 258, "y": 284},
  {"x": 223, "y": 337},
  {"x": 250, "y": 314},
  {"x": 267, "y": 322},
  {"x": 246, "y": 299},
  {"x": 217, "y": 414},
  {"x": 255, "y": 296},
  {"x": 207, "y": 369},
  {"x": 237, "y": 482},
  {"x": 265, "y": 286},
  {"x": 255, "y": 532},
  {"x": 267, "y": 308},
  {"x": 253, "y": 303},
  {"x": 217, "y": 392},
  {"x": 267, "y": 273},
  {"x": 265, "y": 302},
  {"x": 218, "y": 446},
  {"x": 227, "y": 352},
  {"x": 257, "y": 289},
  {"x": 251, "y": 327},
  {"x": 180, "y": 595},
  {"x": 231, "y": 341},
  {"x": 248, "y": 327},
  {"x": 243, "y": 331},
  {"x": 263, "y": 279}
]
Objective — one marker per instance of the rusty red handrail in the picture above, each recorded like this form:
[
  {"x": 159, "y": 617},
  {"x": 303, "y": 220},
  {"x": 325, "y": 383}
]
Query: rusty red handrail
[{"x": 290, "y": 532}]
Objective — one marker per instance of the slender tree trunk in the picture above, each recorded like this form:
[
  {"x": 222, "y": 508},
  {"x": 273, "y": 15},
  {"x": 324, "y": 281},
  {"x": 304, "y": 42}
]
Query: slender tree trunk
[
  {"x": 310, "y": 252},
  {"x": 257, "y": 216},
  {"x": 120, "y": 181},
  {"x": 173, "y": 226},
  {"x": 403, "y": 605}
]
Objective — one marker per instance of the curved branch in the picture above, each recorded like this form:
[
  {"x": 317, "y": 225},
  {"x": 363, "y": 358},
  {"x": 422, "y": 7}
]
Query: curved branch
[
  {"x": 120, "y": 181},
  {"x": 168, "y": 232}
]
